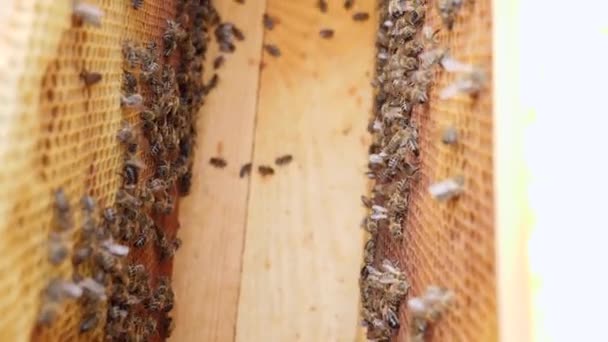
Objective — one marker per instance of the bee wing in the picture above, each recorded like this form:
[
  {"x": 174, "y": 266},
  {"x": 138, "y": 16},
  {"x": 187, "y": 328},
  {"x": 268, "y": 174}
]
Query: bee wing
[
  {"x": 452, "y": 65},
  {"x": 451, "y": 90}
]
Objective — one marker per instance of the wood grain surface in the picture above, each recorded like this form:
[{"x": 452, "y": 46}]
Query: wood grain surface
[
  {"x": 303, "y": 241},
  {"x": 276, "y": 258},
  {"x": 207, "y": 272}
]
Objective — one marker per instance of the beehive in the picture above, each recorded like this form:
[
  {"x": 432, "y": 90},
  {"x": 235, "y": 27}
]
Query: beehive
[{"x": 56, "y": 133}]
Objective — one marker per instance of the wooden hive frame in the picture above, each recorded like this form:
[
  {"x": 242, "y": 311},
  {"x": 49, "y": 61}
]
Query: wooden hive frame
[{"x": 244, "y": 238}]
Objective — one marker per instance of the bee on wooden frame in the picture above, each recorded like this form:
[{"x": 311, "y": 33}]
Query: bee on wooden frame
[
  {"x": 361, "y": 16},
  {"x": 322, "y": 5},
  {"x": 326, "y": 33},
  {"x": 272, "y": 50},
  {"x": 218, "y": 162},
  {"x": 265, "y": 170},
  {"x": 284, "y": 160},
  {"x": 268, "y": 22}
]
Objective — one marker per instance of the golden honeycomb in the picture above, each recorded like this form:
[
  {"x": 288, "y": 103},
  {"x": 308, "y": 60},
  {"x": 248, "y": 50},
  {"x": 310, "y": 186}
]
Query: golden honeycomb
[{"x": 55, "y": 132}]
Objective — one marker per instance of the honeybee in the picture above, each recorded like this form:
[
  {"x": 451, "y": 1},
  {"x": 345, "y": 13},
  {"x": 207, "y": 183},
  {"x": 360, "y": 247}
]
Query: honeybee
[
  {"x": 109, "y": 215},
  {"x": 185, "y": 183},
  {"x": 157, "y": 150},
  {"x": 52, "y": 296},
  {"x": 90, "y": 78},
  {"x": 431, "y": 57},
  {"x": 224, "y": 34},
  {"x": 106, "y": 261},
  {"x": 148, "y": 115},
  {"x": 322, "y": 5},
  {"x": 174, "y": 34},
  {"x": 370, "y": 225},
  {"x": 449, "y": 136},
  {"x": 245, "y": 170},
  {"x": 361, "y": 16},
  {"x": 268, "y": 22},
  {"x": 88, "y": 13},
  {"x": 283, "y": 160},
  {"x": 237, "y": 33},
  {"x": 115, "y": 248},
  {"x": 447, "y": 189},
  {"x": 137, "y": 4},
  {"x": 88, "y": 204},
  {"x": 116, "y": 313},
  {"x": 218, "y": 62},
  {"x": 218, "y": 162},
  {"x": 89, "y": 322},
  {"x": 63, "y": 210},
  {"x": 58, "y": 250},
  {"x": 326, "y": 33},
  {"x": 164, "y": 207},
  {"x": 467, "y": 83},
  {"x": 408, "y": 63},
  {"x": 416, "y": 12},
  {"x": 366, "y": 201},
  {"x": 213, "y": 82},
  {"x": 167, "y": 325},
  {"x": 168, "y": 248},
  {"x": 130, "y": 54},
  {"x": 124, "y": 198},
  {"x": 141, "y": 239},
  {"x": 378, "y": 213},
  {"x": 81, "y": 254},
  {"x": 93, "y": 290},
  {"x": 418, "y": 94},
  {"x": 149, "y": 327},
  {"x": 402, "y": 30},
  {"x": 369, "y": 251},
  {"x": 131, "y": 171},
  {"x": 431, "y": 304},
  {"x": 136, "y": 270},
  {"x": 272, "y": 50},
  {"x": 448, "y": 9},
  {"x": 392, "y": 319},
  {"x": 396, "y": 229},
  {"x": 132, "y": 101},
  {"x": 265, "y": 170},
  {"x": 126, "y": 134}
]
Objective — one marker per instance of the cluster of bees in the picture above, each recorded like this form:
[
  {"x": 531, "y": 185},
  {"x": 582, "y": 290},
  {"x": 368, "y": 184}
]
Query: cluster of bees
[
  {"x": 163, "y": 94},
  {"x": 96, "y": 258},
  {"x": 408, "y": 54},
  {"x": 382, "y": 290}
]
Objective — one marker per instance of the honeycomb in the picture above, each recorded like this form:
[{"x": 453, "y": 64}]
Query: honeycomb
[
  {"x": 55, "y": 132},
  {"x": 451, "y": 244}
]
